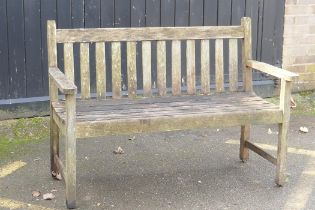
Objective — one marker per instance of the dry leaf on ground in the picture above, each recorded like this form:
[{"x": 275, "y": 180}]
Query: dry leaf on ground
[
  {"x": 293, "y": 104},
  {"x": 48, "y": 196},
  {"x": 119, "y": 150},
  {"x": 132, "y": 138},
  {"x": 304, "y": 129},
  {"x": 36, "y": 194}
]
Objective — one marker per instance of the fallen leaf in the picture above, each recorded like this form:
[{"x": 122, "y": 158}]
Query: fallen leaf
[
  {"x": 56, "y": 175},
  {"x": 48, "y": 196},
  {"x": 98, "y": 204},
  {"x": 36, "y": 194},
  {"x": 37, "y": 159},
  {"x": 132, "y": 138},
  {"x": 269, "y": 131},
  {"x": 304, "y": 129},
  {"x": 119, "y": 150},
  {"x": 293, "y": 104}
]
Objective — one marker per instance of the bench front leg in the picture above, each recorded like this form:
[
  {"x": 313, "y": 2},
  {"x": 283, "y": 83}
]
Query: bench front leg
[
  {"x": 285, "y": 96},
  {"x": 70, "y": 151}
]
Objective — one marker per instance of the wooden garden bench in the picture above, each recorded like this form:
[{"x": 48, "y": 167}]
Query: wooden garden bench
[{"x": 162, "y": 108}]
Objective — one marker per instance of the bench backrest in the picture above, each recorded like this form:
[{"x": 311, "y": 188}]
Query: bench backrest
[{"x": 133, "y": 36}]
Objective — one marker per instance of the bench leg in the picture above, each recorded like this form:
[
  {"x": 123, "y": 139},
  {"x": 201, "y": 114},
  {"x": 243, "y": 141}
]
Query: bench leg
[
  {"x": 54, "y": 147},
  {"x": 70, "y": 153},
  {"x": 282, "y": 154},
  {"x": 245, "y": 135}
]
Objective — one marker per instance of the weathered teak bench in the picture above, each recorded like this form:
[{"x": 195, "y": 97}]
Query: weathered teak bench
[{"x": 144, "y": 111}]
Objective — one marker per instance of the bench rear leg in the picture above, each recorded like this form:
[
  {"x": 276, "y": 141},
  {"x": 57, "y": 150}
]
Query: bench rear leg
[
  {"x": 54, "y": 147},
  {"x": 245, "y": 135},
  {"x": 282, "y": 154}
]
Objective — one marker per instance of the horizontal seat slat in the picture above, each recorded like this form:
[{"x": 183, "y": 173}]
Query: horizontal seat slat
[
  {"x": 240, "y": 107},
  {"x": 147, "y": 33}
]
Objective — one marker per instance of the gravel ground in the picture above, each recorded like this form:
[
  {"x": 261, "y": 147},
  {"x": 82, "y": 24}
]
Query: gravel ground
[{"x": 197, "y": 169}]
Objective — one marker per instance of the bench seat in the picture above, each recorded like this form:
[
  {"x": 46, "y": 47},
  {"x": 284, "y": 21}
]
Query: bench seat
[{"x": 125, "y": 116}]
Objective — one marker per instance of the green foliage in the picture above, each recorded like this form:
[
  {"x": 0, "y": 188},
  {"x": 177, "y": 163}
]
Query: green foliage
[
  {"x": 15, "y": 133},
  {"x": 305, "y": 103}
]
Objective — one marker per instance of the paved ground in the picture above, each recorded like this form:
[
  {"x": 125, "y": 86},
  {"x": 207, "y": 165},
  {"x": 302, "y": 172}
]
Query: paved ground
[{"x": 175, "y": 170}]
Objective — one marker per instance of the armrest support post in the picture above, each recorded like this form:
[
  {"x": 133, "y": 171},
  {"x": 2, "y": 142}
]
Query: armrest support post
[
  {"x": 53, "y": 90},
  {"x": 285, "y": 96}
]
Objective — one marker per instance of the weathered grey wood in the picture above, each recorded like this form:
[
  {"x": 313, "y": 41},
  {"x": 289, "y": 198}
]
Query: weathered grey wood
[
  {"x": 148, "y": 33},
  {"x": 138, "y": 115},
  {"x": 58, "y": 119},
  {"x": 92, "y": 118},
  {"x": 60, "y": 167},
  {"x": 247, "y": 81},
  {"x": 191, "y": 67},
  {"x": 132, "y": 69},
  {"x": 176, "y": 67},
  {"x": 116, "y": 70},
  {"x": 161, "y": 67},
  {"x": 219, "y": 70},
  {"x": 68, "y": 61},
  {"x": 61, "y": 81},
  {"x": 261, "y": 152},
  {"x": 205, "y": 67},
  {"x": 245, "y": 136},
  {"x": 272, "y": 70},
  {"x": 285, "y": 96},
  {"x": 233, "y": 65},
  {"x": 85, "y": 70},
  {"x": 146, "y": 65},
  {"x": 100, "y": 70},
  {"x": 53, "y": 94},
  {"x": 152, "y": 124},
  {"x": 51, "y": 43},
  {"x": 70, "y": 151},
  {"x": 54, "y": 130},
  {"x": 247, "y": 53}
]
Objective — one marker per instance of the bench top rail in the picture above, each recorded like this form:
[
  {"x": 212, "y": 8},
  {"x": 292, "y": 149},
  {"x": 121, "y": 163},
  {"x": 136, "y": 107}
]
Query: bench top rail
[{"x": 147, "y": 33}]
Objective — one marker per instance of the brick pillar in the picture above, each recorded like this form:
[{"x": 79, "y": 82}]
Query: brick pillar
[{"x": 299, "y": 41}]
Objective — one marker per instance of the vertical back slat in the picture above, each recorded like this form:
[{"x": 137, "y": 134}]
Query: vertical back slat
[
  {"x": 219, "y": 70},
  {"x": 161, "y": 67},
  {"x": 233, "y": 65},
  {"x": 68, "y": 61},
  {"x": 146, "y": 65},
  {"x": 191, "y": 67},
  {"x": 132, "y": 69},
  {"x": 85, "y": 70},
  {"x": 116, "y": 70},
  {"x": 100, "y": 70},
  {"x": 176, "y": 67},
  {"x": 205, "y": 67}
]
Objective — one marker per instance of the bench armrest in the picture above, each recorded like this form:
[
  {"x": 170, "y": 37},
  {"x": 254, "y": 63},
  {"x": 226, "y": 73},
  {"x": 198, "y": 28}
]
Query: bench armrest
[
  {"x": 65, "y": 86},
  {"x": 272, "y": 70}
]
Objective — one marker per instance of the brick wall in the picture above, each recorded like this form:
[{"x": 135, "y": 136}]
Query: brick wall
[{"x": 299, "y": 41}]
